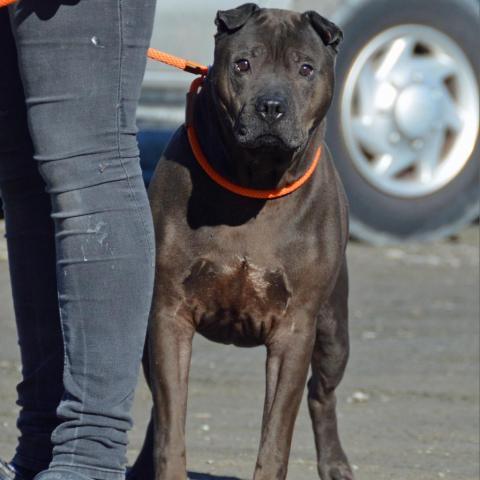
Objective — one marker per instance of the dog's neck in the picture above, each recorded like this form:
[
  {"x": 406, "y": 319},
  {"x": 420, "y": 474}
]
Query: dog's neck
[{"x": 252, "y": 168}]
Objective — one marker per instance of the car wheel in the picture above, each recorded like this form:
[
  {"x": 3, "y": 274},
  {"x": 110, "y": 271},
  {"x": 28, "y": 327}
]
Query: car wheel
[{"x": 403, "y": 127}]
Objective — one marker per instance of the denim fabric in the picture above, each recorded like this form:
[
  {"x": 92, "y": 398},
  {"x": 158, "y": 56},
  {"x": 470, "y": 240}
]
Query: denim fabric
[{"x": 78, "y": 224}]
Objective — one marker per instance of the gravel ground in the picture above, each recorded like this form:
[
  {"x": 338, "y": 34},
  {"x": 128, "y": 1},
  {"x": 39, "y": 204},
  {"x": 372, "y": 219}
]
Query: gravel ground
[{"x": 409, "y": 404}]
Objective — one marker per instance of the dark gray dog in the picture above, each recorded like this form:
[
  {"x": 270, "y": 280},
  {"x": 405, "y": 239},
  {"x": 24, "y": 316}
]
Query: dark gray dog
[{"x": 252, "y": 271}]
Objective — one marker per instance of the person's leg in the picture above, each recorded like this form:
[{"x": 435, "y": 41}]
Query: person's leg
[
  {"x": 31, "y": 253},
  {"x": 82, "y": 64}
]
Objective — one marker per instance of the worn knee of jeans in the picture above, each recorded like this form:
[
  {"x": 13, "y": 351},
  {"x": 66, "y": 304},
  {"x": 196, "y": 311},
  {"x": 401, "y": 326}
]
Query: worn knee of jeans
[
  {"x": 104, "y": 270},
  {"x": 104, "y": 244}
]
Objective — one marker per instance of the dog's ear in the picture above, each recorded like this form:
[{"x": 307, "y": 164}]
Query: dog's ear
[
  {"x": 330, "y": 34},
  {"x": 228, "y": 21}
]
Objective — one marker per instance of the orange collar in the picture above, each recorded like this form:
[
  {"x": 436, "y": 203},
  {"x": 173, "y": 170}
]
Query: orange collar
[{"x": 223, "y": 182}]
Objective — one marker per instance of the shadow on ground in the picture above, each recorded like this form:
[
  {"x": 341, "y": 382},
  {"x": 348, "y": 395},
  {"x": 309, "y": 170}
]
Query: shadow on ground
[{"x": 206, "y": 476}]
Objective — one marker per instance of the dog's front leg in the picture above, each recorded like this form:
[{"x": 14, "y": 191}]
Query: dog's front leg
[
  {"x": 170, "y": 345},
  {"x": 288, "y": 357}
]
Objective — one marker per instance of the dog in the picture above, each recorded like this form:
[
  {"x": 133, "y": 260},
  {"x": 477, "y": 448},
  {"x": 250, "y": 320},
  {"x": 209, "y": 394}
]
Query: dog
[{"x": 240, "y": 261}]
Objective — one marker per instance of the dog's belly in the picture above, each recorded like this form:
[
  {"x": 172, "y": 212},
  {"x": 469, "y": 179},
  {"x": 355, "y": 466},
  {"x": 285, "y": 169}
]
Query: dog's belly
[{"x": 237, "y": 302}]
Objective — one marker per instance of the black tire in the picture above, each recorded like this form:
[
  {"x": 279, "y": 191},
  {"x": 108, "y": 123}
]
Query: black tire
[{"x": 376, "y": 216}]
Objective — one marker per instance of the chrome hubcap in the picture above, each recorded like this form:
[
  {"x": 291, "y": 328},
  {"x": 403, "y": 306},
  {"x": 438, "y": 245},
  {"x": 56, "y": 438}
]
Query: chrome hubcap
[
  {"x": 410, "y": 110},
  {"x": 416, "y": 110}
]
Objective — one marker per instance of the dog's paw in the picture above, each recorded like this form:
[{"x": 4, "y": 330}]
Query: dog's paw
[{"x": 336, "y": 471}]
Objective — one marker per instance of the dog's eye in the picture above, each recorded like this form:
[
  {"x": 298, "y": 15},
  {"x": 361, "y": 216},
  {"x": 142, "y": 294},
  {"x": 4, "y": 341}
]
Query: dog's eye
[
  {"x": 242, "y": 66},
  {"x": 306, "y": 70}
]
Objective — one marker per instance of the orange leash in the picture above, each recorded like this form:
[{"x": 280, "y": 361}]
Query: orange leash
[
  {"x": 177, "y": 62},
  {"x": 227, "y": 184}
]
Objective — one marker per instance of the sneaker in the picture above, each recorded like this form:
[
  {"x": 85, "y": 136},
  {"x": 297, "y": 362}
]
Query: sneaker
[
  {"x": 60, "y": 474},
  {"x": 7, "y": 472}
]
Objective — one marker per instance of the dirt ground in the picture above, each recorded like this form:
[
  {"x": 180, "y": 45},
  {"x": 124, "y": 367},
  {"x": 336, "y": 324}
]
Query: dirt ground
[{"x": 409, "y": 404}]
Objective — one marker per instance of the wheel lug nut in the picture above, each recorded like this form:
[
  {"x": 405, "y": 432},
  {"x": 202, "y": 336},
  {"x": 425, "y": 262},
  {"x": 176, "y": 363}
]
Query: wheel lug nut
[{"x": 417, "y": 144}]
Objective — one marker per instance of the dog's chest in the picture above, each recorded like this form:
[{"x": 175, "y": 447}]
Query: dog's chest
[{"x": 236, "y": 302}]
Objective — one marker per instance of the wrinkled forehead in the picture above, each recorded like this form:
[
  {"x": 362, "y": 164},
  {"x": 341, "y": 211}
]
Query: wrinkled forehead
[{"x": 276, "y": 31}]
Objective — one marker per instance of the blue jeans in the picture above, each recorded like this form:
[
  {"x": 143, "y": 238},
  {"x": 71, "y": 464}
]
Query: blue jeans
[{"x": 79, "y": 228}]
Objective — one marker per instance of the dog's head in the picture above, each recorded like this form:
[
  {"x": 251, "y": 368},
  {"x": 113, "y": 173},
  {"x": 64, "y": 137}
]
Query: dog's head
[{"x": 273, "y": 74}]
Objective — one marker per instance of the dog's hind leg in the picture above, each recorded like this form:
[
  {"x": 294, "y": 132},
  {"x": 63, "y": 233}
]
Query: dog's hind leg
[
  {"x": 329, "y": 360},
  {"x": 143, "y": 466},
  {"x": 170, "y": 345}
]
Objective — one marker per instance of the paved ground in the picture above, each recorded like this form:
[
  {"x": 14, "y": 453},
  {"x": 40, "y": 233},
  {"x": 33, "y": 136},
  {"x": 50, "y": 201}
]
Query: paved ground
[{"x": 409, "y": 404}]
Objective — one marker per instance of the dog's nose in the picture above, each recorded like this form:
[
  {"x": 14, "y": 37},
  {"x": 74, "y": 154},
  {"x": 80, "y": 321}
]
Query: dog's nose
[{"x": 271, "y": 109}]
